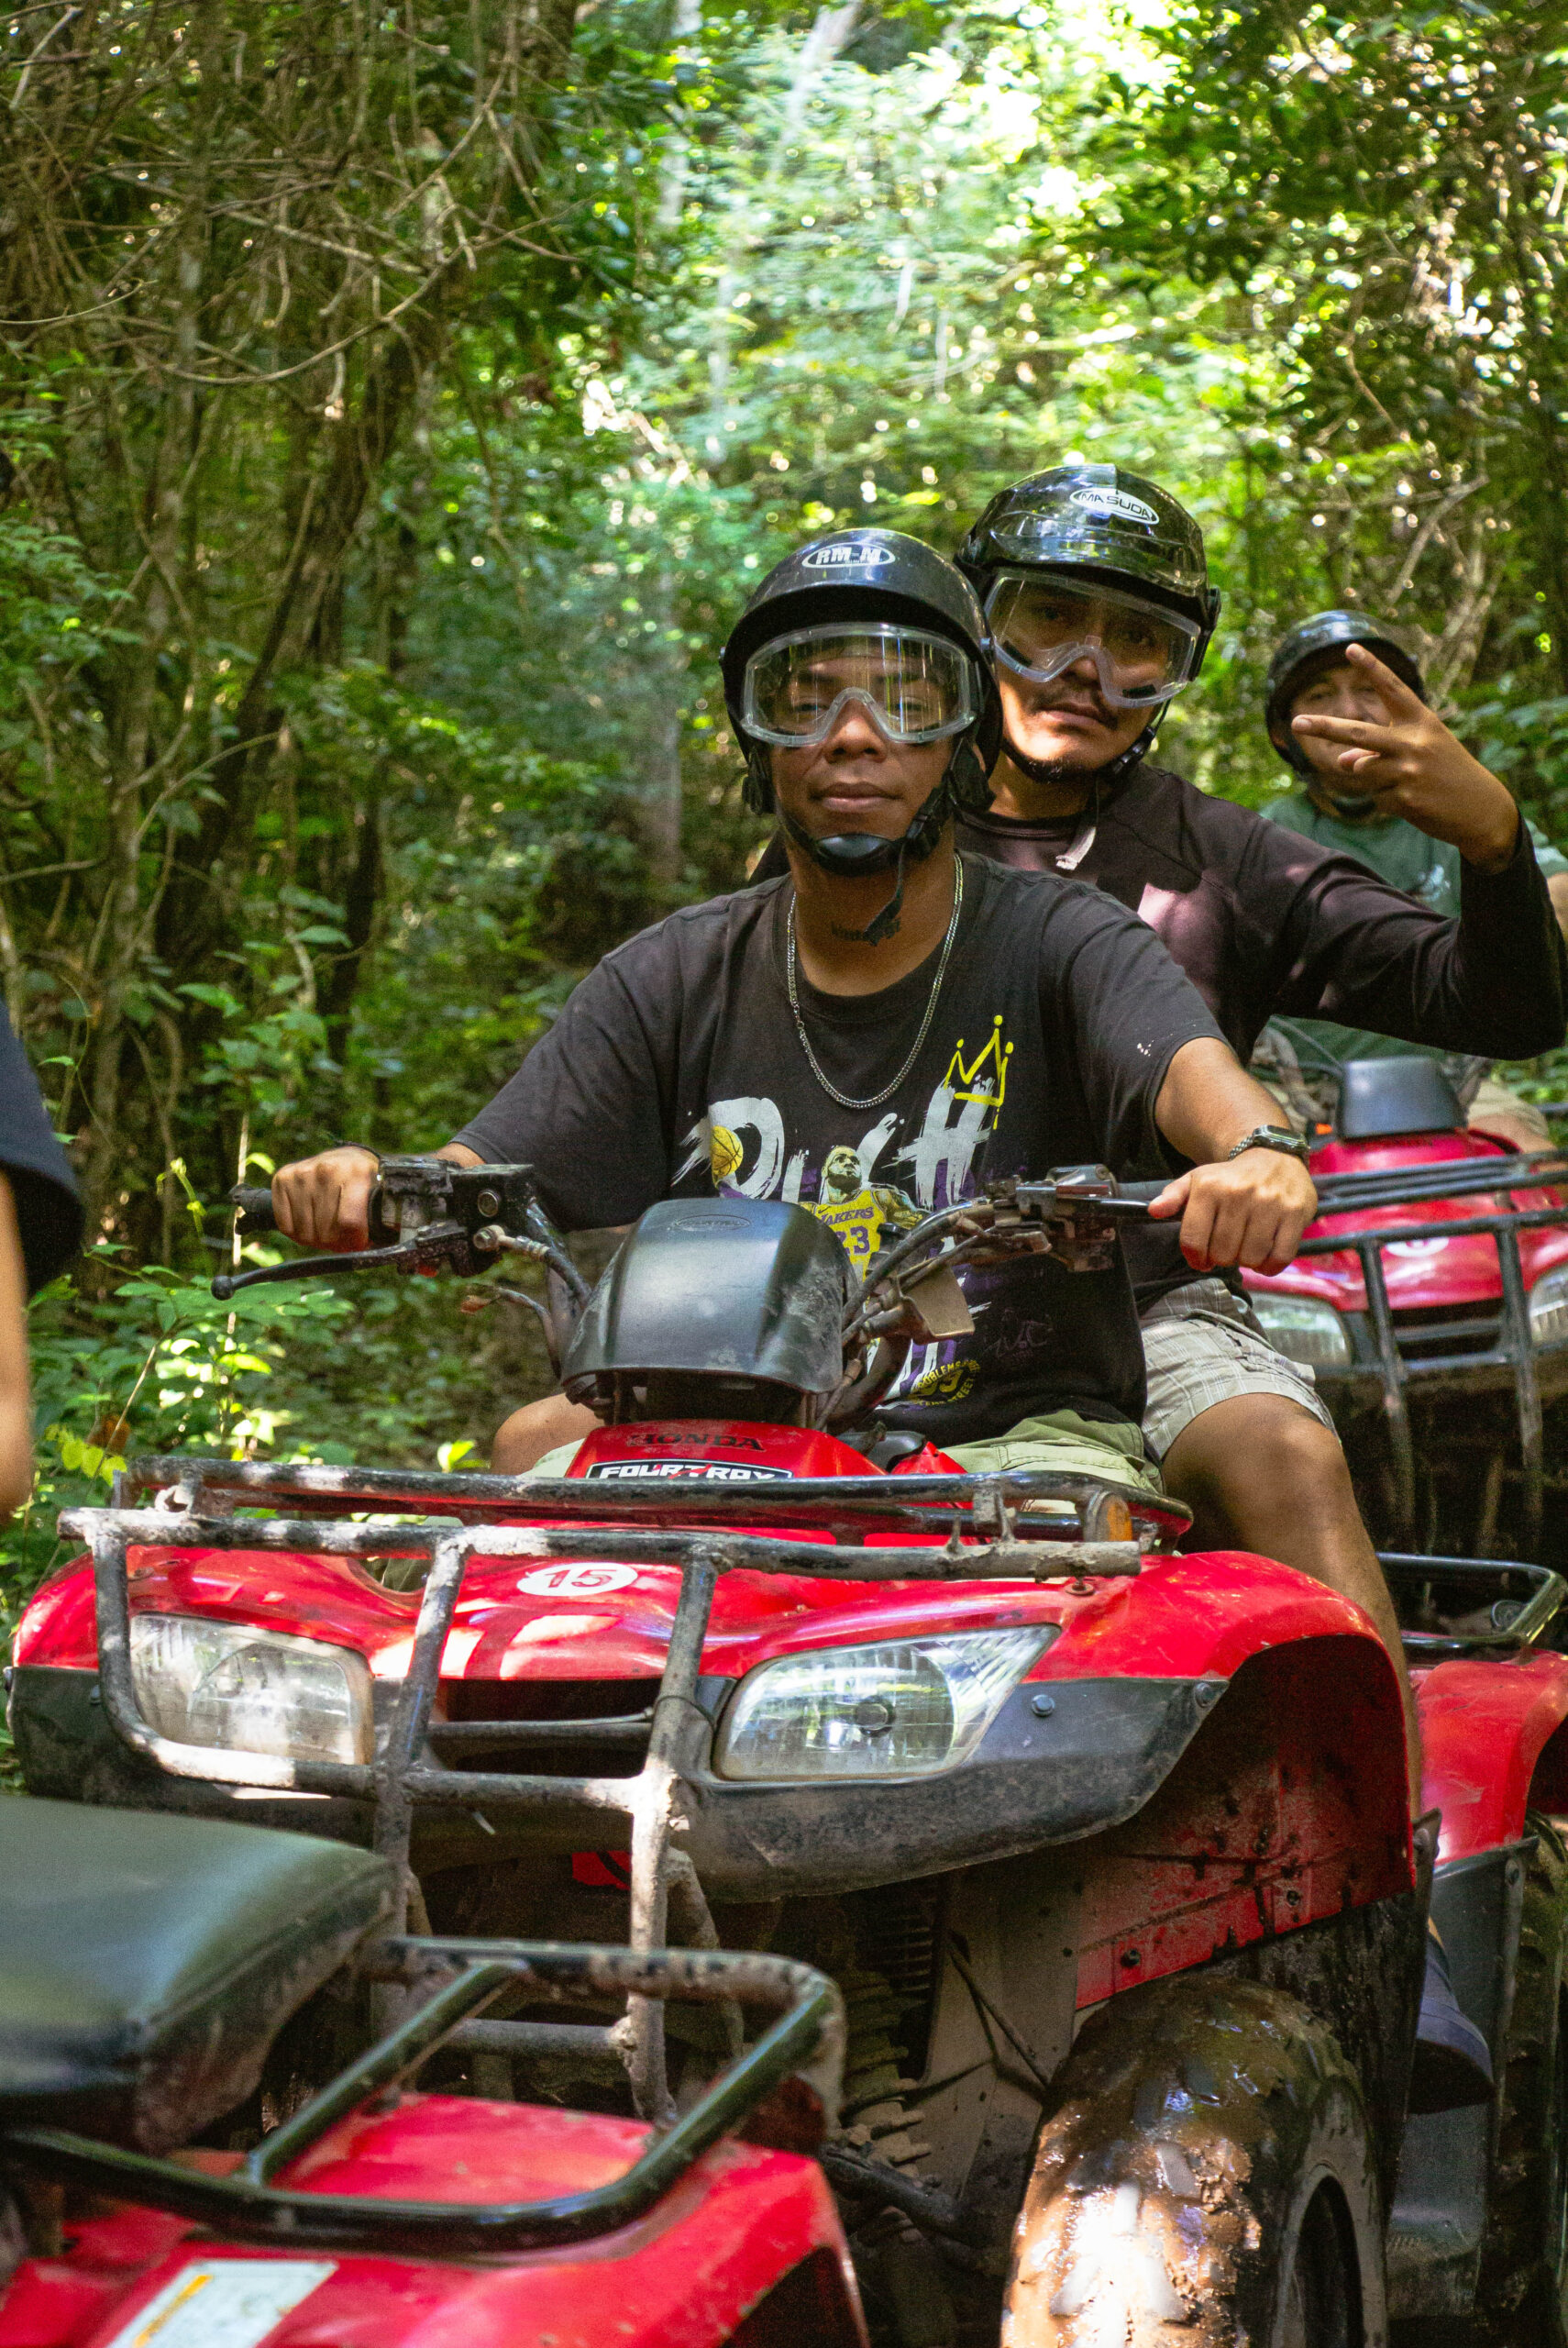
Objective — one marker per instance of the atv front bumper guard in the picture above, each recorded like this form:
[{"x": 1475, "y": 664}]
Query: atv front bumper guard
[
  {"x": 403, "y": 1776},
  {"x": 806, "y": 2040}
]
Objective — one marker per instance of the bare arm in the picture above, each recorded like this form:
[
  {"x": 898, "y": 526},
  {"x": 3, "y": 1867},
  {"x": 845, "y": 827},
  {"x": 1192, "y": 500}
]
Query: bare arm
[
  {"x": 15, "y": 1407},
  {"x": 1557, "y": 890},
  {"x": 1249, "y": 1210},
  {"x": 325, "y": 1201}
]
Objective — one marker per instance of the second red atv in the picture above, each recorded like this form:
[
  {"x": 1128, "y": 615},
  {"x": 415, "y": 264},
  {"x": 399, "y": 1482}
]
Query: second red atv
[
  {"x": 1106, "y": 1844},
  {"x": 1431, "y": 1300}
]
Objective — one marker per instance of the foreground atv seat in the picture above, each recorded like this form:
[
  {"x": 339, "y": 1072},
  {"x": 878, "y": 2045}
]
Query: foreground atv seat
[
  {"x": 1381, "y": 1099},
  {"x": 146, "y": 1963}
]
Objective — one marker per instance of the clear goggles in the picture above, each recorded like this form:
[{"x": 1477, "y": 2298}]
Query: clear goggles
[
  {"x": 915, "y": 688},
  {"x": 1042, "y": 627}
]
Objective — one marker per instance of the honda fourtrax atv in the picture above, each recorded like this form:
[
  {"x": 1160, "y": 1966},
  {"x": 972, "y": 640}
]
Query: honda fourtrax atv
[
  {"x": 1106, "y": 1845},
  {"x": 1431, "y": 1299}
]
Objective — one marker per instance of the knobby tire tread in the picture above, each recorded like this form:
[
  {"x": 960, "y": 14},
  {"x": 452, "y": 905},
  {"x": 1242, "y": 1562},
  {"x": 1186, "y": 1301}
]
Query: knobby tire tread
[{"x": 1519, "y": 2297}]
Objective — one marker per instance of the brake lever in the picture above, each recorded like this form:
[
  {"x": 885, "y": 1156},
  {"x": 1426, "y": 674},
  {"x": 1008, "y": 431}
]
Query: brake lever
[{"x": 429, "y": 1250}]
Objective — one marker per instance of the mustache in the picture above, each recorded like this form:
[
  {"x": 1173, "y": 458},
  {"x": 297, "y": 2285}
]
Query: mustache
[{"x": 1087, "y": 697}]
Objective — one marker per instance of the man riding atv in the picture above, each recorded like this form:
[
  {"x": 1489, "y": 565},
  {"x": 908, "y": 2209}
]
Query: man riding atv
[
  {"x": 893, "y": 1009},
  {"x": 1382, "y": 750}
]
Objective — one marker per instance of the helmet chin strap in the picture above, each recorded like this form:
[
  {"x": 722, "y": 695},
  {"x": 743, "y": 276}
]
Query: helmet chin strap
[
  {"x": 1069, "y": 769},
  {"x": 855, "y": 856}
]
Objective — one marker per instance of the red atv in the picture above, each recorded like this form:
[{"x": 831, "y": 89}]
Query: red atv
[
  {"x": 1431, "y": 1299},
  {"x": 1106, "y": 1845},
  {"x": 152, "y": 1972}
]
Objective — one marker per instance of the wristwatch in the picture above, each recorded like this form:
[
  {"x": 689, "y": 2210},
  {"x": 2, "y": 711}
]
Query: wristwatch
[{"x": 1279, "y": 1137}]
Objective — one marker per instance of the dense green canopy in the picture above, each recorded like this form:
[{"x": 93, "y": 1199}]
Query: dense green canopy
[{"x": 397, "y": 405}]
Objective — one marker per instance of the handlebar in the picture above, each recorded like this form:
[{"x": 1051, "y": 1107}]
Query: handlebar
[{"x": 253, "y": 1210}]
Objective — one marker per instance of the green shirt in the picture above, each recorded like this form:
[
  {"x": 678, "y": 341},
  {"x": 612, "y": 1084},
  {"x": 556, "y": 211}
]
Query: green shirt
[{"x": 1425, "y": 868}]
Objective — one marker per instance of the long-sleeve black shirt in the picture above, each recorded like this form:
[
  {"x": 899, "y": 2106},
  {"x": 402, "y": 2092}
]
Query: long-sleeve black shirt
[{"x": 1263, "y": 921}]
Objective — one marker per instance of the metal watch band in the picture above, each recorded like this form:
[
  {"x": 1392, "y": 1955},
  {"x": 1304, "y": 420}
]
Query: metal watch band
[{"x": 1279, "y": 1137}]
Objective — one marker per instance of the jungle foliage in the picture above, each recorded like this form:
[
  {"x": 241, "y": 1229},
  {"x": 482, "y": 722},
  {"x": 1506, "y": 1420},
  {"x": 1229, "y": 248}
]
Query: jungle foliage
[{"x": 397, "y": 404}]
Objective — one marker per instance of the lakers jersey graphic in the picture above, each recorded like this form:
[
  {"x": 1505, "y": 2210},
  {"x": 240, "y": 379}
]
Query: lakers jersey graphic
[{"x": 857, "y": 1211}]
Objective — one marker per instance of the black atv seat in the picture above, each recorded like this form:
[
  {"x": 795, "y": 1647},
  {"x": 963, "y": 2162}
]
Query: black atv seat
[
  {"x": 147, "y": 1962},
  {"x": 1380, "y": 1100}
]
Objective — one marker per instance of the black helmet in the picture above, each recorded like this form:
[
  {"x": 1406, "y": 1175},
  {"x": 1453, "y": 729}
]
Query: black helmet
[
  {"x": 1098, "y": 526},
  {"x": 879, "y": 575},
  {"x": 1318, "y": 643},
  {"x": 1104, "y": 524}
]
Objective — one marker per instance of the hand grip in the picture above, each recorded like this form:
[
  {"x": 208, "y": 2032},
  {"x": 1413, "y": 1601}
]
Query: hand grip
[
  {"x": 1144, "y": 1193},
  {"x": 255, "y": 1209}
]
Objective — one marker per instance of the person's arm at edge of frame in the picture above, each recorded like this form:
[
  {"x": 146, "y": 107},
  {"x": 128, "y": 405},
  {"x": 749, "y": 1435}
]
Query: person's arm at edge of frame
[
  {"x": 16, "y": 1401},
  {"x": 1251, "y": 1210},
  {"x": 1557, "y": 890},
  {"x": 1492, "y": 979}
]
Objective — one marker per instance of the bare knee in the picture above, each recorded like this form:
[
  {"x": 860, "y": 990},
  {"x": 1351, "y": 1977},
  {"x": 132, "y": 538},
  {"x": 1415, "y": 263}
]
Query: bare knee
[
  {"x": 1263, "y": 1473},
  {"x": 1256, "y": 1438},
  {"x": 523, "y": 1439}
]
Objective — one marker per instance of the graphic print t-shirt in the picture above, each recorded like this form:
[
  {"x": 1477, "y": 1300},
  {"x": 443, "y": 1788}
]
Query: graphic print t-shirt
[{"x": 675, "y": 1071}]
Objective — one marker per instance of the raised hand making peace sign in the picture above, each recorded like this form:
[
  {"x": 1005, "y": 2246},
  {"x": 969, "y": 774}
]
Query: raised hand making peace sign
[{"x": 1367, "y": 723}]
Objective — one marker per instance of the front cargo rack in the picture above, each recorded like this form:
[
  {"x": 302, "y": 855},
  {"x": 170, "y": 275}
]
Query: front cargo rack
[
  {"x": 1097, "y": 1530},
  {"x": 1514, "y": 1351}
]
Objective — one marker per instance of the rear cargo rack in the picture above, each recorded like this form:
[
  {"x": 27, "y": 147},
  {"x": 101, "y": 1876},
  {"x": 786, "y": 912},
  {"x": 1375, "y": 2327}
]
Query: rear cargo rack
[
  {"x": 991, "y": 1539},
  {"x": 806, "y": 2039}
]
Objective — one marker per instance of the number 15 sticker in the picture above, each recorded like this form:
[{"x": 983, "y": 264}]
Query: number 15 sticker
[{"x": 578, "y": 1581}]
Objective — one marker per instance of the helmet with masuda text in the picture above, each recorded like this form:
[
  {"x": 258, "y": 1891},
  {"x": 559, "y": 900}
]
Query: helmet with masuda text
[
  {"x": 1092, "y": 562},
  {"x": 876, "y": 618}
]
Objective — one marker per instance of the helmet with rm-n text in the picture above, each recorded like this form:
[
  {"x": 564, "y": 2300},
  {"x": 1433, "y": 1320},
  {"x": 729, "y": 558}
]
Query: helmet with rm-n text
[
  {"x": 872, "y": 618},
  {"x": 1090, "y": 561},
  {"x": 1309, "y": 647}
]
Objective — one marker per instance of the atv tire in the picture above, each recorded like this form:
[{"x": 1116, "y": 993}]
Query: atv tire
[
  {"x": 1208, "y": 2166},
  {"x": 1522, "y": 2295}
]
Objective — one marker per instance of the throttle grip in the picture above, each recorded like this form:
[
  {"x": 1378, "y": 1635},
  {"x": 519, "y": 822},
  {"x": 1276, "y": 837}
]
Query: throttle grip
[{"x": 255, "y": 1210}]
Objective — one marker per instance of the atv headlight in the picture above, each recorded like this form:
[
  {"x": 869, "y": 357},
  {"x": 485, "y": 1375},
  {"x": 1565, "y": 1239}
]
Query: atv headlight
[
  {"x": 1303, "y": 1328},
  {"x": 884, "y": 1712},
  {"x": 1548, "y": 1308},
  {"x": 246, "y": 1690}
]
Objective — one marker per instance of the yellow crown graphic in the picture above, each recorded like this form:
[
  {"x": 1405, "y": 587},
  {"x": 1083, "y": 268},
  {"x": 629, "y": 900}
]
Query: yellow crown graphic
[{"x": 963, "y": 1082}]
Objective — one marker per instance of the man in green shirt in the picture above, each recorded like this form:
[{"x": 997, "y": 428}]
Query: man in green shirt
[{"x": 1347, "y": 709}]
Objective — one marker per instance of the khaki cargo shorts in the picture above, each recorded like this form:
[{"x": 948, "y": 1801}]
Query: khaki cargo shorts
[{"x": 1203, "y": 1345}]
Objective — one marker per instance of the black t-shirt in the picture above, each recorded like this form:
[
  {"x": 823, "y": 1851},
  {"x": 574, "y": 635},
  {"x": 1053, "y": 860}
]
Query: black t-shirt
[
  {"x": 675, "y": 1071},
  {"x": 48, "y": 1210},
  {"x": 1263, "y": 921}
]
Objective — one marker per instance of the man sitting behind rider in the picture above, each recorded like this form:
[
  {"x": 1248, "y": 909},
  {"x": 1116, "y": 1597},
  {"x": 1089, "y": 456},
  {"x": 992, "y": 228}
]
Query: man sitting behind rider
[
  {"x": 1100, "y": 610},
  {"x": 940, "y": 1019},
  {"x": 1383, "y": 755}
]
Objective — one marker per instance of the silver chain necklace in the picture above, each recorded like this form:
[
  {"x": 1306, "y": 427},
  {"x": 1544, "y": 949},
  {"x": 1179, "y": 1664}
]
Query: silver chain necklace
[{"x": 887, "y": 1091}]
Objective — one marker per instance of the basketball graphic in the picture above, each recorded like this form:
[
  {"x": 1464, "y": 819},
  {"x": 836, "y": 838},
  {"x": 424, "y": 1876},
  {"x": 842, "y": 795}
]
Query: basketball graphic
[{"x": 724, "y": 1153}]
